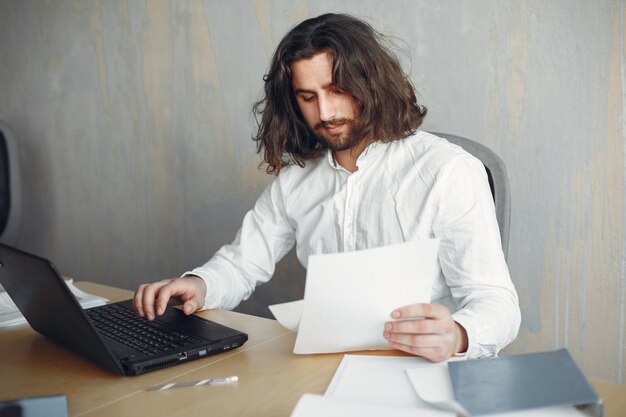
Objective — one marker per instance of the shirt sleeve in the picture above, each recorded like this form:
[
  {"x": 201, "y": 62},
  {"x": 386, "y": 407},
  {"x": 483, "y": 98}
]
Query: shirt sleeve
[
  {"x": 472, "y": 260},
  {"x": 235, "y": 270}
]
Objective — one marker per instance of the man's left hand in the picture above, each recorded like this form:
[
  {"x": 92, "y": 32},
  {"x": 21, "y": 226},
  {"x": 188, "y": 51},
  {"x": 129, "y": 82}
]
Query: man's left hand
[{"x": 426, "y": 330}]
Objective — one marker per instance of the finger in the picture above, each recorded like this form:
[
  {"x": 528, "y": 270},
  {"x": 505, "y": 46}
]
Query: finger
[
  {"x": 418, "y": 341},
  {"x": 190, "y": 306},
  {"x": 420, "y": 326},
  {"x": 149, "y": 294},
  {"x": 169, "y": 293},
  {"x": 434, "y": 354},
  {"x": 433, "y": 311},
  {"x": 194, "y": 302},
  {"x": 138, "y": 300},
  {"x": 162, "y": 299},
  {"x": 194, "y": 298}
]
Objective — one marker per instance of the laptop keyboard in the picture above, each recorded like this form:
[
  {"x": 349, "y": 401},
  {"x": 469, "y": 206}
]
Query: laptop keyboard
[{"x": 122, "y": 325}]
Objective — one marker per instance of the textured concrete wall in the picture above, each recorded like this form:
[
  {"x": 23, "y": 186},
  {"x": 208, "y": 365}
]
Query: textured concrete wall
[{"x": 133, "y": 122}]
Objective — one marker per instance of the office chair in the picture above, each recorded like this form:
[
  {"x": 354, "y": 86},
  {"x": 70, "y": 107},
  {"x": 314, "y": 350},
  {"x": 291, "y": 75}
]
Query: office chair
[
  {"x": 10, "y": 197},
  {"x": 498, "y": 181}
]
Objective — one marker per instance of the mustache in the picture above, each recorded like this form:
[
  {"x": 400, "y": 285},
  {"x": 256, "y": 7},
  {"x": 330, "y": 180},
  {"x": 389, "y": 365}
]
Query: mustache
[{"x": 333, "y": 122}]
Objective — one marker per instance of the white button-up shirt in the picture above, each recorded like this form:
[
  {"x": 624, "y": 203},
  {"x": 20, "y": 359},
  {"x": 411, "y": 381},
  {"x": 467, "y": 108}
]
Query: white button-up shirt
[{"x": 416, "y": 188}]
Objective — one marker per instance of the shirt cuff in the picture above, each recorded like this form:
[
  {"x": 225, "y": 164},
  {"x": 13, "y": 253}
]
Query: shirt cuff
[
  {"x": 212, "y": 297},
  {"x": 478, "y": 337}
]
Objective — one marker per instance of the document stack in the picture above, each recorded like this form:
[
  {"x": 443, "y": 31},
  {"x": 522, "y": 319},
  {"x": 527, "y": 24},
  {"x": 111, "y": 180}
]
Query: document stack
[{"x": 546, "y": 384}]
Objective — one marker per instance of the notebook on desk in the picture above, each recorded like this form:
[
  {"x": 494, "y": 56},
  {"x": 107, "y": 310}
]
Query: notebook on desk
[
  {"x": 518, "y": 383},
  {"x": 110, "y": 335}
]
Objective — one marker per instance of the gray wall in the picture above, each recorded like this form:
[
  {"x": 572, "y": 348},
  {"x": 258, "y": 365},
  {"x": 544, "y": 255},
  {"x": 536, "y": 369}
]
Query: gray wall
[{"x": 133, "y": 125}]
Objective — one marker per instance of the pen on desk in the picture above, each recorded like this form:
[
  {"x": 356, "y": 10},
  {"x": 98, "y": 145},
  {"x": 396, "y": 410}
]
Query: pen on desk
[{"x": 208, "y": 381}]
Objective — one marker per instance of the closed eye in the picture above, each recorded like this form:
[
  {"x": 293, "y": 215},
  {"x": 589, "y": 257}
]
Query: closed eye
[{"x": 306, "y": 97}]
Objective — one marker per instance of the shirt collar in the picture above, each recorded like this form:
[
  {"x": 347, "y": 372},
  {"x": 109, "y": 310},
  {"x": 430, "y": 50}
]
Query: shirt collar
[{"x": 366, "y": 156}]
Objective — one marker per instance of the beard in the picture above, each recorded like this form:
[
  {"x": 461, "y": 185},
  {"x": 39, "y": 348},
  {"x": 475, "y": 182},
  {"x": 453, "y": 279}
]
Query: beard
[{"x": 340, "y": 141}]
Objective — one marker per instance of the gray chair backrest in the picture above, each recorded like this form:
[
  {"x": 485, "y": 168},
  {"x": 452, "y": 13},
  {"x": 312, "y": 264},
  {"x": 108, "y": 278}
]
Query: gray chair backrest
[
  {"x": 498, "y": 181},
  {"x": 10, "y": 190}
]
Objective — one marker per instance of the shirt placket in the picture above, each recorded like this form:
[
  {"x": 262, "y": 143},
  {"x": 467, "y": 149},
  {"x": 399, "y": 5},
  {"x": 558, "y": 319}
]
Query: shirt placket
[{"x": 349, "y": 222}]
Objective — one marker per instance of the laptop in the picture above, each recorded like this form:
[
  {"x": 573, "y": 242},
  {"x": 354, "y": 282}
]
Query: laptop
[{"x": 110, "y": 335}]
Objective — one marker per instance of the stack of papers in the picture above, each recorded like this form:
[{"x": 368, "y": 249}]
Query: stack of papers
[
  {"x": 368, "y": 386},
  {"x": 349, "y": 296},
  {"x": 10, "y": 315}
]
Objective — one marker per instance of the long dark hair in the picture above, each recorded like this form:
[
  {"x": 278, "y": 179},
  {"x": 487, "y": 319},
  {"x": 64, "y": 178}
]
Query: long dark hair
[{"x": 362, "y": 66}]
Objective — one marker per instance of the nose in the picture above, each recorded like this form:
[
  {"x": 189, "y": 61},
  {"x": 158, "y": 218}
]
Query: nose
[{"x": 326, "y": 108}]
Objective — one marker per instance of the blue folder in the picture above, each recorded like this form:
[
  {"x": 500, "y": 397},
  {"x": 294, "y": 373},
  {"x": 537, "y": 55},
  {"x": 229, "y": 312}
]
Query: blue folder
[{"x": 522, "y": 382}]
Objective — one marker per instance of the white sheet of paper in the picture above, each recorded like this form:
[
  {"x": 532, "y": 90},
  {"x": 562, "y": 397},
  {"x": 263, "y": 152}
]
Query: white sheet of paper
[
  {"x": 312, "y": 405},
  {"x": 433, "y": 385},
  {"x": 376, "y": 380},
  {"x": 349, "y": 296},
  {"x": 288, "y": 314}
]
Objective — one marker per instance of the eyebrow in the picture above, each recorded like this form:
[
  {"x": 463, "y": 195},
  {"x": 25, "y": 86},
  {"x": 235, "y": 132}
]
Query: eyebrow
[
  {"x": 297, "y": 91},
  {"x": 303, "y": 91}
]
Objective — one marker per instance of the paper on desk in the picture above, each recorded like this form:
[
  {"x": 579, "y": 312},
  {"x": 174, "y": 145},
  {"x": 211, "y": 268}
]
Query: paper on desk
[
  {"x": 433, "y": 386},
  {"x": 311, "y": 405},
  {"x": 406, "y": 382},
  {"x": 376, "y": 379},
  {"x": 288, "y": 314},
  {"x": 349, "y": 296},
  {"x": 367, "y": 386}
]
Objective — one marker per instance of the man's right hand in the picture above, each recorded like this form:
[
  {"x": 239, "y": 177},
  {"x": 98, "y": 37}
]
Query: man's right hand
[{"x": 150, "y": 300}]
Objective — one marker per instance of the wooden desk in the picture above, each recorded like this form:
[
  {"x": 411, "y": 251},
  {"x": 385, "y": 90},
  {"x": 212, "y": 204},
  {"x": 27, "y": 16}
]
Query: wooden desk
[{"x": 271, "y": 377}]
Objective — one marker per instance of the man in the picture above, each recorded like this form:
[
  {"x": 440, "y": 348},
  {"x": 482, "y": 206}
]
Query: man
[{"x": 339, "y": 126}]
